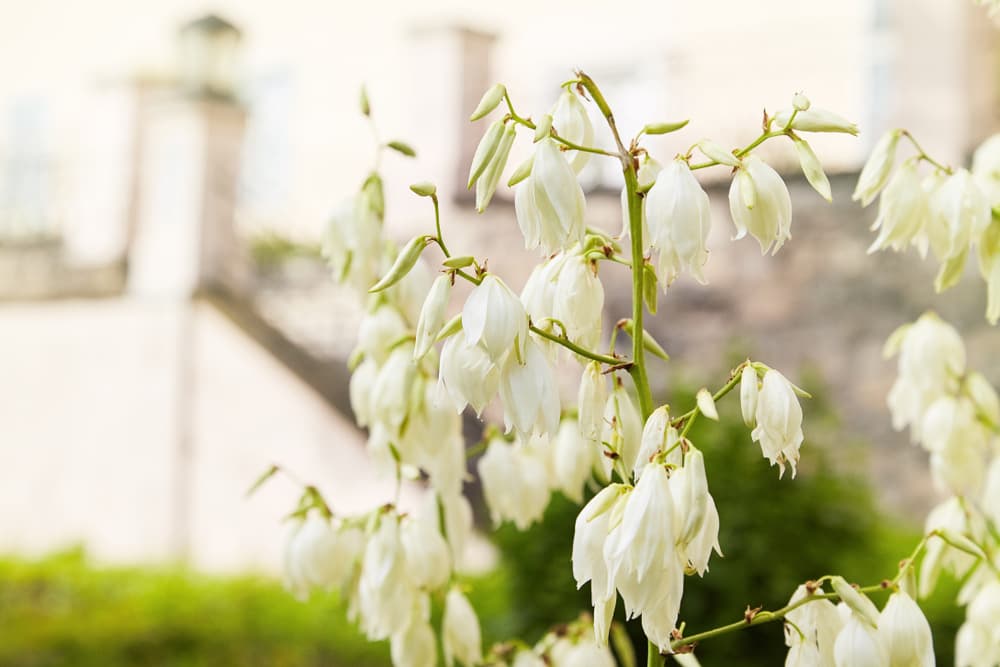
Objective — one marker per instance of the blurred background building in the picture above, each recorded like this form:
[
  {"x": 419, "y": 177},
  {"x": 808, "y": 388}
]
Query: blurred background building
[{"x": 168, "y": 330}]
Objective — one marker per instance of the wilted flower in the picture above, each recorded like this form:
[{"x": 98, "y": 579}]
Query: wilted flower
[{"x": 760, "y": 204}]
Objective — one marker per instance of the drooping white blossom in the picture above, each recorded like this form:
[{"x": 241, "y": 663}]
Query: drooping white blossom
[
  {"x": 414, "y": 645},
  {"x": 432, "y": 315},
  {"x": 779, "y": 421},
  {"x": 696, "y": 519},
  {"x": 529, "y": 393},
  {"x": 589, "y": 563},
  {"x": 858, "y": 645},
  {"x": 812, "y": 632},
  {"x": 573, "y": 460},
  {"x": 646, "y": 175},
  {"x": 515, "y": 483},
  {"x": 591, "y": 399},
  {"x": 903, "y": 211},
  {"x": 904, "y": 631},
  {"x": 386, "y": 595},
  {"x": 460, "y": 632},
  {"x": 579, "y": 301},
  {"x": 749, "y": 394},
  {"x": 467, "y": 375},
  {"x": 875, "y": 173},
  {"x": 321, "y": 554},
  {"x": 959, "y": 213},
  {"x": 494, "y": 317},
  {"x": 428, "y": 559},
  {"x": 986, "y": 168},
  {"x": 572, "y": 123},
  {"x": 549, "y": 204},
  {"x": 622, "y": 426},
  {"x": 678, "y": 216},
  {"x": 759, "y": 204}
]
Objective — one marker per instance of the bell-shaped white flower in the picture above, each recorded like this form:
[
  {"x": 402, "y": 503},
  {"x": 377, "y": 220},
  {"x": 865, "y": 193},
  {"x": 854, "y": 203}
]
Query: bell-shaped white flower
[
  {"x": 386, "y": 595},
  {"x": 432, "y": 315},
  {"x": 582, "y": 653},
  {"x": 353, "y": 244},
  {"x": 415, "y": 645},
  {"x": 931, "y": 360},
  {"x": 579, "y": 301},
  {"x": 749, "y": 394},
  {"x": 360, "y": 391},
  {"x": 515, "y": 483},
  {"x": 591, "y": 399},
  {"x": 905, "y": 633},
  {"x": 529, "y": 393},
  {"x": 903, "y": 210},
  {"x": 981, "y": 628},
  {"x": 549, "y": 204},
  {"x": 696, "y": 518},
  {"x": 658, "y": 436},
  {"x": 779, "y": 421},
  {"x": 589, "y": 535},
  {"x": 875, "y": 173},
  {"x": 989, "y": 268},
  {"x": 460, "y": 632},
  {"x": 428, "y": 559},
  {"x": 495, "y": 317},
  {"x": 457, "y": 523},
  {"x": 572, "y": 122},
  {"x": 975, "y": 646},
  {"x": 573, "y": 460},
  {"x": 622, "y": 426},
  {"x": 949, "y": 516},
  {"x": 321, "y": 555},
  {"x": 539, "y": 293},
  {"x": 678, "y": 216},
  {"x": 759, "y": 204},
  {"x": 816, "y": 625},
  {"x": 960, "y": 212},
  {"x": 467, "y": 375},
  {"x": 379, "y": 331},
  {"x": 392, "y": 393},
  {"x": 858, "y": 645},
  {"x": 959, "y": 445}
]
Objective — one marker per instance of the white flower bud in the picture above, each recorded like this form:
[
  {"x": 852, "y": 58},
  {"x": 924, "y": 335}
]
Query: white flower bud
[
  {"x": 779, "y": 421},
  {"x": 487, "y": 183},
  {"x": 706, "y": 404},
  {"x": 800, "y": 102},
  {"x": 549, "y": 204},
  {"x": 432, "y": 315},
  {"x": 460, "y": 632},
  {"x": 649, "y": 169},
  {"x": 494, "y": 317},
  {"x": 491, "y": 100},
  {"x": 767, "y": 214},
  {"x": 572, "y": 122},
  {"x": 858, "y": 645},
  {"x": 657, "y": 436},
  {"x": 749, "y": 391},
  {"x": 678, "y": 216},
  {"x": 815, "y": 120},
  {"x": 905, "y": 633},
  {"x": 856, "y": 600},
  {"x": 875, "y": 173},
  {"x": 813, "y": 169},
  {"x": 466, "y": 375},
  {"x": 714, "y": 151}
]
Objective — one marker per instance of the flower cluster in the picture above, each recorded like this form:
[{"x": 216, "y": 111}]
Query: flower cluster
[
  {"x": 947, "y": 211},
  {"x": 954, "y": 414}
]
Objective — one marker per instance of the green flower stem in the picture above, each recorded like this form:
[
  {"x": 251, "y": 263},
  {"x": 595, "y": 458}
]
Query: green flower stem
[
  {"x": 743, "y": 151},
  {"x": 565, "y": 142},
  {"x": 688, "y": 418},
  {"x": 638, "y": 367},
  {"x": 437, "y": 224},
  {"x": 922, "y": 154}
]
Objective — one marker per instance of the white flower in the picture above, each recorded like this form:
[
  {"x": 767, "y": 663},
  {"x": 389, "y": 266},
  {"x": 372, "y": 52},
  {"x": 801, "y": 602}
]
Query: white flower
[
  {"x": 622, "y": 426},
  {"x": 386, "y": 596},
  {"x": 573, "y": 460},
  {"x": 696, "y": 519},
  {"x": 760, "y": 204},
  {"x": 572, "y": 122},
  {"x": 515, "y": 483},
  {"x": 495, "y": 317},
  {"x": 379, "y": 331},
  {"x": 360, "y": 391},
  {"x": 678, "y": 216},
  {"x": 779, "y": 421},
  {"x": 539, "y": 293},
  {"x": 414, "y": 645},
  {"x": 978, "y": 643},
  {"x": 457, "y": 523},
  {"x": 527, "y": 658},
  {"x": 579, "y": 301},
  {"x": 812, "y": 169},
  {"x": 859, "y": 603},
  {"x": 591, "y": 399},
  {"x": 875, "y": 173},
  {"x": 643, "y": 562},
  {"x": 989, "y": 268},
  {"x": 959, "y": 214},
  {"x": 931, "y": 359},
  {"x": 321, "y": 555},
  {"x": 584, "y": 653},
  {"x": 392, "y": 391},
  {"x": 858, "y": 645},
  {"x": 352, "y": 245},
  {"x": 815, "y": 120},
  {"x": 657, "y": 436},
  {"x": 428, "y": 560},
  {"x": 949, "y": 517},
  {"x": 986, "y": 168},
  {"x": 903, "y": 210},
  {"x": 819, "y": 623},
  {"x": 589, "y": 534},
  {"x": 549, "y": 204},
  {"x": 432, "y": 315},
  {"x": 460, "y": 632},
  {"x": 529, "y": 393},
  {"x": 466, "y": 375},
  {"x": 958, "y": 444},
  {"x": 749, "y": 393},
  {"x": 646, "y": 175},
  {"x": 905, "y": 633}
]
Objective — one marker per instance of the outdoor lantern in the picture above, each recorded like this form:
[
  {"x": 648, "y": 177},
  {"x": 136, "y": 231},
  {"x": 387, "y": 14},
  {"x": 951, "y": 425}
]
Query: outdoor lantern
[{"x": 208, "y": 50}]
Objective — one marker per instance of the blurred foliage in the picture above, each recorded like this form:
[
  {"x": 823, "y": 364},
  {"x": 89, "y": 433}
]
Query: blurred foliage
[
  {"x": 63, "y": 611},
  {"x": 775, "y": 534},
  {"x": 271, "y": 250}
]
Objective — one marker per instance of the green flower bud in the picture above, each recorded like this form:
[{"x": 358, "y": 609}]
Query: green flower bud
[
  {"x": 424, "y": 189},
  {"x": 491, "y": 99},
  {"x": 663, "y": 128},
  {"x": 405, "y": 261}
]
